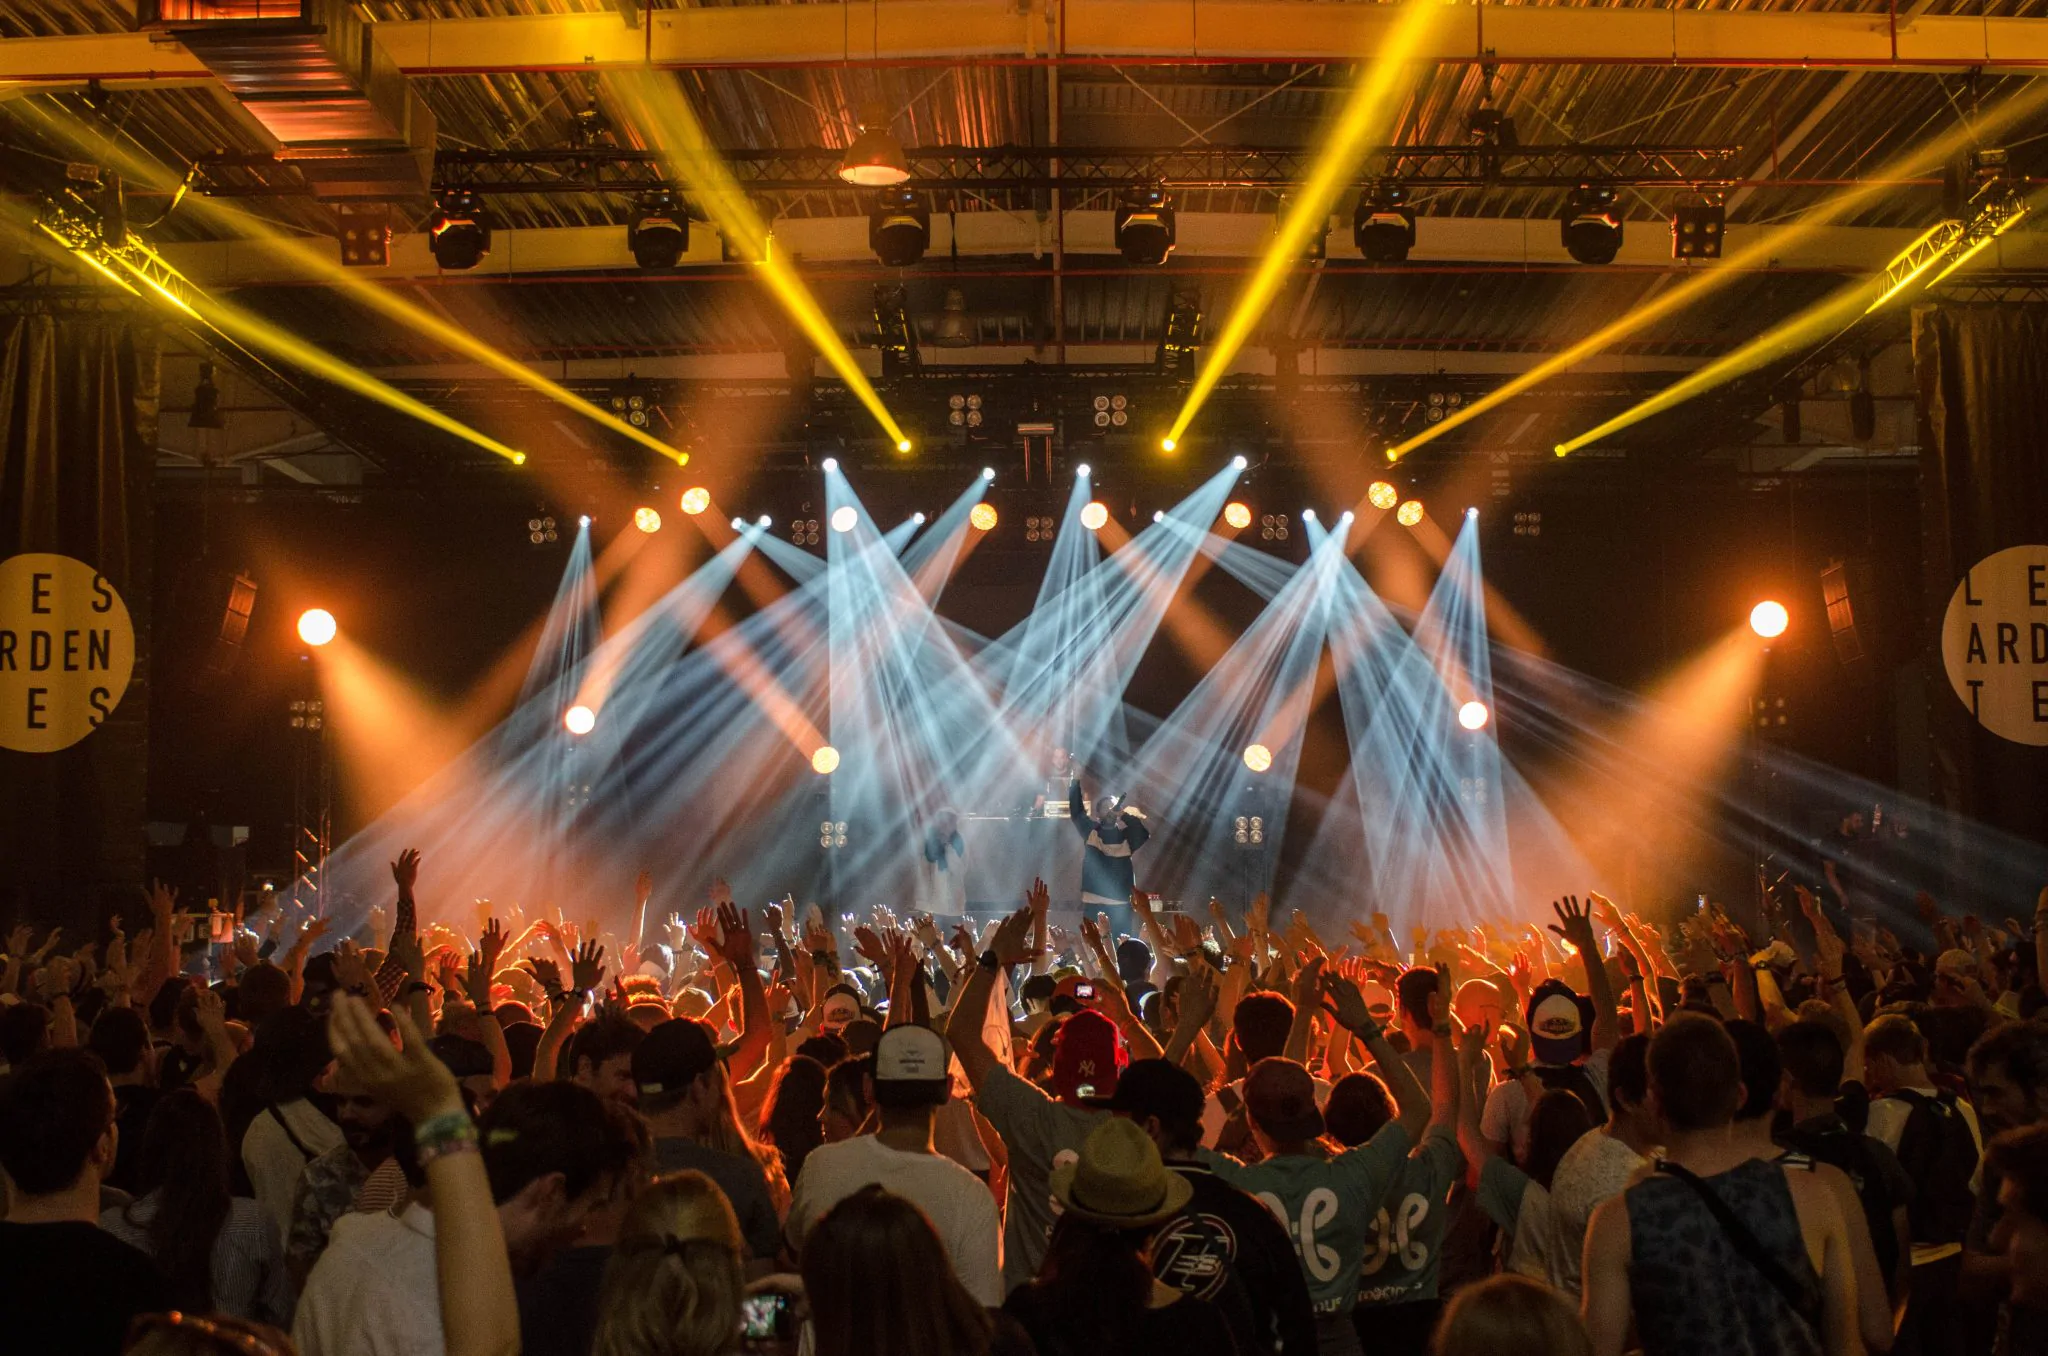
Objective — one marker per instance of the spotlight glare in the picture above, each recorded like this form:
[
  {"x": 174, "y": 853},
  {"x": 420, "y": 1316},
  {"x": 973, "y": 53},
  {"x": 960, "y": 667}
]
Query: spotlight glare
[
  {"x": 739, "y": 524},
  {"x": 1238, "y": 463},
  {"x": 647, "y": 520},
  {"x": 1081, "y": 472},
  {"x": 1308, "y": 515},
  {"x": 1345, "y": 516},
  {"x": 825, "y": 761},
  {"x": 829, "y": 465},
  {"x": 988, "y": 473},
  {"x": 844, "y": 517},
  {"x": 316, "y": 626},
  {"x": 579, "y": 720},
  {"x": 1769, "y": 619},
  {"x": 983, "y": 516},
  {"x": 1095, "y": 515},
  {"x": 764, "y": 521},
  {"x": 1381, "y": 495},
  {"x": 903, "y": 444},
  {"x": 695, "y": 500},
  {"x": 1473, "y": 715},
  {"x": 918, "y": 517},
  {"x": 1237, "y": 515},
  {"x": 1471, "y": 513},
  {"x": 1158, "y": 515},
  {"x": 1167, "y": 444},
  {"x": 1258, "y": 757},
  {"x": 1409, "y": 514},
  {"x": 584, "y": 521}
]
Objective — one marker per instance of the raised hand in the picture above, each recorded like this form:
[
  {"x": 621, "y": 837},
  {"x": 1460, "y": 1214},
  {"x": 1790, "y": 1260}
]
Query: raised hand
[
  {"x": 163, "y": 902},
  {"x": 546, "y": 973},
  {"x": 1256, "y": 917},
  {"x": 643, "y": 887},
  {"x": 1012, "y": 942},
  {"x": 962, "y": 941},
  {"x": 736, "y": 937},
  {"x": 1187, "y": 937},
  {"x": 18, "y": 940},
  {"x": 1308, "y": 981},
  {"x": 1091, "y": 930},
  {"x": 1575, "y": 924},
  {"x": 928, "y": 932},
  {"x": 476, "y": 980},
  {"x": 1348, "y": 1006},
  {"x": 1198, "y": 997},
  {"x": 1141, "y": 906},
  {"x": 407, "y": 1077},
  {"x": 351, "y": 971},
  {"x": 869, "y": 947},
  {"x": 586, "y": 967},
  {"x": 49, "y": 945},
  {"x": 771, "y": 914},
  {"x": 1038, "y": 899},
  {"x": 405, "y": 872},
  {"x": 706, "y": 931},
  {"x": 448, "y": 968},
  {"x": 721, "y": 892},
  {"x": 818, "y": 938},
  {"x": 490, "y": 945}
]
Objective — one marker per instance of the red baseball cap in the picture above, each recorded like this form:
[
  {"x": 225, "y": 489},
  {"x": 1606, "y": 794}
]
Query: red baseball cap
[{"x": 1088, "y": 1057}]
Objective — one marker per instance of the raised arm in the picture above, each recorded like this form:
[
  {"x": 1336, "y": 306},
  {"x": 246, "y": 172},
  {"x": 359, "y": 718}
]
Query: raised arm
[
  {"x": 1348, "y": 1006},
  {"x": 970, "y": 1012},
  {"x": 1575, "y": 925},
  {"x": 736, "y": 945},
  {"x": 483, "y": 965}
]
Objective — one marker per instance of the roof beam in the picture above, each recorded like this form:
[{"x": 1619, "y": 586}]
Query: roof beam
[{"x": 1218, "y": 32}]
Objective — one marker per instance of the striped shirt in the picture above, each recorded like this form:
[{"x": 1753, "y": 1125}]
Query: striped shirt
[{"x": 249, "y": 1278}]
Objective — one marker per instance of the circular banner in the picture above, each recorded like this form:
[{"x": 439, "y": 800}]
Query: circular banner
[
  {"x": 67, "y": 650},
  {"x": 1994, "y": 643}
]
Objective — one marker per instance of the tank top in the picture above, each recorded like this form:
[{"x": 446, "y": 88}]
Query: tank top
[{"x": 1693, "y": 1293}]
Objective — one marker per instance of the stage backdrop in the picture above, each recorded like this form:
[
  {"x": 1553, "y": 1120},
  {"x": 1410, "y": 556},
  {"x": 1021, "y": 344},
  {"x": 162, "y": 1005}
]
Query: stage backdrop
[
  {"x": 1983, "y": 384},
  {"x": 78, "y": 415}
]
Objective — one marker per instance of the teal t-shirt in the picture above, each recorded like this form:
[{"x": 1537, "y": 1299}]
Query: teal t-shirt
[
  {"x": 1405, "y": 1250},
  {"x": 1327, "y": 1206}
]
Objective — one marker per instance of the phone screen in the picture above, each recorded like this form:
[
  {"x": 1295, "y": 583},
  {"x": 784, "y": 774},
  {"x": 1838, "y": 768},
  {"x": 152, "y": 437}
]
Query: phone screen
[
  {"x": 764, "y": 1316},
  {"x": 1085, "y": 992}
]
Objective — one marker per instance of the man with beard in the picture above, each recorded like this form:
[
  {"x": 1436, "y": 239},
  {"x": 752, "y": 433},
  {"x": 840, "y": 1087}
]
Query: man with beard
[{"x": 358, "y": 1174}]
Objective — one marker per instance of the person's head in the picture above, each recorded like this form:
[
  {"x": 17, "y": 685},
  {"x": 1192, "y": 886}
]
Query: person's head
[
  {"x": 1037, "y": 992},
  {"x": 1411, "y": 996},
  {"x": 847, "y": 1102},
  {"x": 1113, "y": 1196},
  {"x": 1280, "y": 1105},
  {"x": 1260, "y": 1025},
  {"x": 860, "y": 1035},
  {"x": 553, "y": 1151},
  {"x": 2008, "y": 1069},
  {"x": 177, "y": 1333},
  {"x": 842, "y": 1005},
  {"x": 1166, "y": 1102},
  {"x": 1088, "y": 1056},
  {"x": 790, "y": 1122},
  {"x": 365, "y": 1121},
  {"x": 291, "y": 1053},
  {"x": 1628, "y": 1084},
  {"x": 163, "y": 1004},
  {"x": 678, "y": 1075},
  {"x": 2021, "y": 1160},
  {"x": 471, "y": 1063},
  {"x": 1478, "y": 1003},
  {"x": 1894, "y": 1054},
  {"x": 1133, "y": 962},
  {"x": 1359, "y": 1108},
  {"x": 262, "y": 992},
  {"x": 1510, "y": 1313},
  {"x": 677, "y": 1275},
  {"x": 120, "y": 1037},
  {"x": 1695, "y": 1075},
  {"x": 183, "y": 1164},
  {"x": 828, "y": 1050},
  {"x": 911, "y": 1071},
  {"x": 57, "y": 1124},
  {"x": 600, "y": 1057},
  {"x": 1556, "y": 1122},
  {"x": 1811, "y": 1055},
  {"x": 880, "y": 1283},
  {"x": 1560, "y": 1023},
  {"x": 1762, "y": 1069},
  {"x": 24, "y": 1032}
]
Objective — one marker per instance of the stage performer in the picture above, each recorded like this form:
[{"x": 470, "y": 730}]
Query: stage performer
[
  {"x": 1113, "y": 834},
  {"x": 942, "y": 868}
]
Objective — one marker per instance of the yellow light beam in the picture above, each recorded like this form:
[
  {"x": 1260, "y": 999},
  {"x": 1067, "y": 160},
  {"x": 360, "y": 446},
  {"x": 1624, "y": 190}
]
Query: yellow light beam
[
  {"x": 1360, "y": 124},
  {"x": 660, "y": 112},
  {"x": 1756, "y": 254}
]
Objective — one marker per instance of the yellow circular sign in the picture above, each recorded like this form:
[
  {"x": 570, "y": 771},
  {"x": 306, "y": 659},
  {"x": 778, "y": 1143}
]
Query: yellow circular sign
[
  {"x": 1994, "y": 643},
  {"x": 67, "y": 650}
]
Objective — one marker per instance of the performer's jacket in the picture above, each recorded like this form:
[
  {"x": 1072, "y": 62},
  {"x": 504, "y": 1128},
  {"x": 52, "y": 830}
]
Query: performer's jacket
[{"x": 1107, "y": 878}]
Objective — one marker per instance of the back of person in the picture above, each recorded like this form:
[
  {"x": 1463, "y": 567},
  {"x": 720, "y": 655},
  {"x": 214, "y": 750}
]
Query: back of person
[
  {"x": 1696, "y": 1291},
  {"x": 1938, "y": 1149},
  {"x": 1882, "y": 1185}
]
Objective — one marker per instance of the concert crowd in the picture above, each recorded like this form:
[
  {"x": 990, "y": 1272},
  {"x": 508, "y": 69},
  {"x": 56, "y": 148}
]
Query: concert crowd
[{"x": 760, "y": 1129}]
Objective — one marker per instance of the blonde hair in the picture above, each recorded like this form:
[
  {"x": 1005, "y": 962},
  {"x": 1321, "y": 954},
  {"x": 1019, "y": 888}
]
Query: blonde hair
[
  {"x": 675, "y": 1280},
  {"x": 1510, "y": 1313},
  {"x": 728, "y": 1135}
]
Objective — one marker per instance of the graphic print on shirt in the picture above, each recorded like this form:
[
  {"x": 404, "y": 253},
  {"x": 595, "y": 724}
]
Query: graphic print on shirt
[
  {"x": 1318, "y": 1208},
  {"x": 1396, "y": 1236},
  {"x": 1195, "y": 1255},
  {"x": 1059, "y": 1160}
]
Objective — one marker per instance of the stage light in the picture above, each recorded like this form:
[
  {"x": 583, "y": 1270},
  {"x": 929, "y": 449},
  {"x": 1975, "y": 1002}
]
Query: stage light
[
  {"x": 1167, "y": 444},
  {"x": 1381, "y": 495},
  {"x": 1345, "y": 516},
  {"x": 658, "y": 233},
  {"x": 844, "y": 517},
  {"x": 1383, "y": 226},
  {"x": 1094, "y": 515},
  {"x": 579, "y": 720},
  {"x": 1238, "y": 462},
  {"x": 647, "y": 520},
  {"x": 1409, "y": 514},
  {"x": 1144, "y": 227},
  {"x": 739, "y": 524},
  {"x": 1473, "y": 715},
  {"x": 988, "y": 473},
  {"x": 825, "y": 761},
  {"x": 983, "y": 516},
  {"x": 874, "y": 159},
  {"x": 764, "y": 521},
  {"x": 903, "y": 444},
  {"x": 1697, "y": 230},
  {"x": 1237, "y": 515},
  {"x": 1081, "y": 472},
  {"x": 316, "y": 626},
  {"x": 1158, "y": 515},
  {"x": 918, "y": 517},
  {"x": 1769, "y": 619},
  {"x": 829, "y": 465},
  {"x": 1258, "y": 757},
  {"x": 1308, "y": 515},
  {"x": 459, "y": 231},
  {"x": 584, "y": 521},
  {"x": 695, "y": 500},
  {"x": 899, "y": 228},
  {"x": 1589, "y": 226},
  {"x": 1471, "y": 513}
]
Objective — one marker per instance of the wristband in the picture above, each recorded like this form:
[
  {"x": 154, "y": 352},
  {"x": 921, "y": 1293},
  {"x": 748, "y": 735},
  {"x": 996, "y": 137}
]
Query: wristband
[
  {"x": 450, "y": 1133},
  {"x": 557, "y": 995},
  {"x": 989, "y": 961},
  {"x": 1440, "y": 1030},
  {"x": 418, "y": 986}
]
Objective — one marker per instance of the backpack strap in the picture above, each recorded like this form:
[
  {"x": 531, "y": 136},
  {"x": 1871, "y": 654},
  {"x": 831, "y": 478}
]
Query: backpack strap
[
  {"x": 1746, "y": 1243},
  {"x": 289, "y": 1133}
]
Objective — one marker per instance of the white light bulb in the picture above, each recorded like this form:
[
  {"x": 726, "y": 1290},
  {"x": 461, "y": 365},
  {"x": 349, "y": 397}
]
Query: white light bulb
[
  {"x": 829, "y": 464},
  {"x": 988, "y": 473},
  {"x": 1081, "y": 471}
]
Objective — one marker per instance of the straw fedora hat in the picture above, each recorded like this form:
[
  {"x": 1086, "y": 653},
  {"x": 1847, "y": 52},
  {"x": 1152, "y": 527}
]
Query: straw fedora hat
[{"x": 1119, "y": 1180}]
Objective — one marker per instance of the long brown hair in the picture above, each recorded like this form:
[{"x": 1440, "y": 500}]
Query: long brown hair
[
  {"x": 880, "y": 1284},
  {"x": 675, "y": 1280},
  {"x": 183, "y": 1167}
]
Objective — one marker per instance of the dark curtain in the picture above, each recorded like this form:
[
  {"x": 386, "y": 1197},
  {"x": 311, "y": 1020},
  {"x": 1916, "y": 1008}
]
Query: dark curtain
[
  {"x": 78, "y": 412},
  {"x": 1982, "y": 373}
]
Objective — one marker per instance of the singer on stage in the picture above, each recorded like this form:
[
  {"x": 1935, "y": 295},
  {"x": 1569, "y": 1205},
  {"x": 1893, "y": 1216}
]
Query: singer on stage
[{"x": 1111, "y": 837}]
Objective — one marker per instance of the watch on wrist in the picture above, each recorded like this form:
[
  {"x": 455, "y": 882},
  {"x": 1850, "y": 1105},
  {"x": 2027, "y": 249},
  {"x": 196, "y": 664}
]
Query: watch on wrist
[{"x": 990, "y": 961}]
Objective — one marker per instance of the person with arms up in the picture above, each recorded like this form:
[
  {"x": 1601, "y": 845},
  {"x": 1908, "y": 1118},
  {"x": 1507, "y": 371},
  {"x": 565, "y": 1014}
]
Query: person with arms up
[
  {"x": 1572, "y": 1038},
  {"x": 1109, "y": 839}
]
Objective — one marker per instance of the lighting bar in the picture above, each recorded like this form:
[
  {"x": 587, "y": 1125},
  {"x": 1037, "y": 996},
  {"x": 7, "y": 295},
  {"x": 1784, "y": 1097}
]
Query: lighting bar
[{"x": 1992, "y": 211}]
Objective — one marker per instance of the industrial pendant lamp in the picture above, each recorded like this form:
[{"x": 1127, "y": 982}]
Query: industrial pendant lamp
[{"x": 875, "y": 159}]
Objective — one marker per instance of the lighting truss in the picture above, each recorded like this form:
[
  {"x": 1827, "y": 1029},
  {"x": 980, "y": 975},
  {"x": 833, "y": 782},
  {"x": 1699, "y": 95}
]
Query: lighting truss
[
  {"x": 1949, "y": 244},
  {"x": 126, "y": 265}
]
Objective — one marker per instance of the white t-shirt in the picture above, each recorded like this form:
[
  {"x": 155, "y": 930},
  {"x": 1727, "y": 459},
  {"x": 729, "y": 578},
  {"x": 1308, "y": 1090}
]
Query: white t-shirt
[
  {"x": 1591, "y": 1171},
  {"x": 1215, "y": 1116},
  {"x": 959, "y": 1204},
  {"x": 374, "y": 1292},
  {"x": 275, "y": 1164},
  {"x": 1506, "y": 1117}
]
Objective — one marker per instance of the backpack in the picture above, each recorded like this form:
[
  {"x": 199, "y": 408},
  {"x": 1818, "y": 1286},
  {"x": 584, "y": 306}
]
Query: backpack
[
  {"x": 1940, "y": 1154},
  {"x": 1859, "y": 1157}
]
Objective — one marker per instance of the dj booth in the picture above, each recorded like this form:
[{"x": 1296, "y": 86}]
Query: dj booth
[{"x": 1006, "y": 853}]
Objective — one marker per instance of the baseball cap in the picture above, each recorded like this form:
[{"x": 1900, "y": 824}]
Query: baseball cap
[
  {"x": 1557, "y": 1023},
  {"x": 911, "y": 1054},
  {"x": 1280, "y": 1098},
  {"x": 674, "y": 1055},
  {"x": 1088, "y": 1057}
]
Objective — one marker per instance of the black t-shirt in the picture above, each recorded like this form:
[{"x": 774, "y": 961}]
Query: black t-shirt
[
  {"x": 1882, "y": 1186},
  {"x": 1187, "y": 1327},
  {"x": 73, "y": 1287},
  {"x": 132, "y": 1105},
  {"x": 558, "y": 1305},
  {"x": 1227, "y": 1248}
]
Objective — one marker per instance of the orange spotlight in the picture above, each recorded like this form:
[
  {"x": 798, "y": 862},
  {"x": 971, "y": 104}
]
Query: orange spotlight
[
  {"x": 316, "y": 626},
  {"x": 825, "y": 761},
  {"x": 1769, "y": 619},
  {"x": 579, "y": 720},
  {"x": 1237, "y": 515},
  {"x": 1258, "y": 757},
  {"x": 1381, "y": 495},
  {"x": 1473, "y": 715},
  {"x": 647, "y": 520},
  {"x": 983, "y": 516},
  {"x": 695, "y": 500},
  {"x": 1095, "y": 515},
  {"x": 1409, "y": 514}
]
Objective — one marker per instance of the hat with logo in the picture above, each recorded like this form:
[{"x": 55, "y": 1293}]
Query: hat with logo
[
  {"x": 1088, "y": 1057},
  {"x": 1118, "y": 1179},
  {"x": 674, "y": 1055},
  {"x": 911, "y": 1054},
  {"x": 1558, "y": 1022},
  {"x": 1280, "y": 1098}
]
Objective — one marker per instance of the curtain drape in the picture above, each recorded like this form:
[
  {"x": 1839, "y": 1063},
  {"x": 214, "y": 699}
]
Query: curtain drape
[{"x": 78, "y": 415}]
